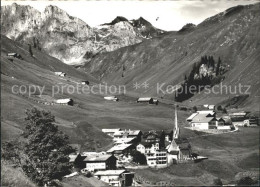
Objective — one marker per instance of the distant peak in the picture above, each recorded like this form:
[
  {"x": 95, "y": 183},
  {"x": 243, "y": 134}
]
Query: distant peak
[
  {"x": 187, "y": 27},
  {"x": 116, "y": 20}
]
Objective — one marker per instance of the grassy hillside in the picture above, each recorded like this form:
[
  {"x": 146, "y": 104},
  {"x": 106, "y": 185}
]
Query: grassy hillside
[{"x": 231, "y": 35}]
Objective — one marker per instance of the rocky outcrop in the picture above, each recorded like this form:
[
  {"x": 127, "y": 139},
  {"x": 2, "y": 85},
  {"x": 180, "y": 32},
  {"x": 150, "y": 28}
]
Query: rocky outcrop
[{"x": 68, "y": 38}]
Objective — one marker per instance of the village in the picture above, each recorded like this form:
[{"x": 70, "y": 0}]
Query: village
[{"x": 134, "y": 149}]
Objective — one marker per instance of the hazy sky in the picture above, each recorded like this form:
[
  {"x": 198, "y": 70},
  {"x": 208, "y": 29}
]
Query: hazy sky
[{"x": 172, "y": 15}]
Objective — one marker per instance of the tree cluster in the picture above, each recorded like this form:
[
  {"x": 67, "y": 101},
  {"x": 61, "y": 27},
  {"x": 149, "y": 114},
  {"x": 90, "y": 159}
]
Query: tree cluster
[
  {"x": 138, "y": 157},
  {"x": 196, "y": 82},
  {"x": 44, "y": 153},
  {"x": 47, "y": 148}
]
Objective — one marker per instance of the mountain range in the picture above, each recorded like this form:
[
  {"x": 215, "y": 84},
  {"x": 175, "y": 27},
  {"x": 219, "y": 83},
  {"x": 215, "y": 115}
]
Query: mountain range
[
  {"x": 231, "y": 35},
  {"x": 70, "y": 39}
]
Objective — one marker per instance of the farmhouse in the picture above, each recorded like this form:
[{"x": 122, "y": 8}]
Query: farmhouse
[
  {"x": 116, "y": 177},
  {"x": 154, "y": 137},
  {"x": 100, "y": 162},
  {"x": 85, "y": 82},
  {"x": 110, "y": 132},
  {"x": 67, "y": 101},
  {"x": 149, "y": 100},
  {"x": 13, "y": 55},
  {"x": 61, "y": 74},
  {"x": 121, "y": 149},
  {"x": 111, "y": 98},
  {"x": 202, "y": 121}
]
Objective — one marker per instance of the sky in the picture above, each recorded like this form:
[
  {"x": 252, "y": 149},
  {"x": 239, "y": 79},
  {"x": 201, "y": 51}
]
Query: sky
[{"x": 165, "y": 15}]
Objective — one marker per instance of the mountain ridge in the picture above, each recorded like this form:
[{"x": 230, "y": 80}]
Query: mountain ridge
[
  {"x": 166, "y": 59},
  {"x": 68, "y": 38}
]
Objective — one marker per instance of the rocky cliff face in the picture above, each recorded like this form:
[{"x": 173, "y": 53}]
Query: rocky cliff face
[{"x": 68, "y": 38}]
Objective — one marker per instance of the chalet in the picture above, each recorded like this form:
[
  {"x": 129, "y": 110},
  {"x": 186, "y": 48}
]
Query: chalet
[
  {"x": 110, "y": 132},
  {"x": 100, "y": 162},
  {"x": 238, "y": 118},
  {"x": 116, "y": 177},
  {"x": 149, "y": 100},
  {"x": 67, "y": 101},
  {"x": 61, "y": 74},
  {"x": 77, "y": 161},
  {"x": 11, "y": 56},
  {"x": 85, "y": 82},
  {"x": 111, "y": 98},
  {"x": 121, "y": 149},
  {"x": 155, "y": 137},
  {"x": 128, "y": 134},
  {"x": 208, "y": 113}
]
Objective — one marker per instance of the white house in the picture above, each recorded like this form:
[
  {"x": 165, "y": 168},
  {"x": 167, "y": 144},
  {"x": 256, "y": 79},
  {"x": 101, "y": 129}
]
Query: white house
[
  {"x": 67, "y": 101},
  {"x": 61, "y": 74},
  {"x": 85, "y": 82},
  {"x": 14, "y": 55},
  {"x": 202, "y": 121},
  {"x": 111, "y": 98},
  {"x": 149, "y": 100},
  {"x": 116, "y": 177}
]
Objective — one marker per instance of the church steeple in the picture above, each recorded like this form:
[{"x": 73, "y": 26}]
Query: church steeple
[
  {"x": 176, "y": 130},
  {"x": 173, "y": 146}
]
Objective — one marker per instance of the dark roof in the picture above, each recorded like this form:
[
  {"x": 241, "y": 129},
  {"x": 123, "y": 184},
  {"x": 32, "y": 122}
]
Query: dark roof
[
  {"x": 97, "y": 158},
  {"x": 157, "y": 133}
]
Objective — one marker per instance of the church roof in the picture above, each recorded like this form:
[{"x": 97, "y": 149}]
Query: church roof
[{"x": 173, "y": 147}]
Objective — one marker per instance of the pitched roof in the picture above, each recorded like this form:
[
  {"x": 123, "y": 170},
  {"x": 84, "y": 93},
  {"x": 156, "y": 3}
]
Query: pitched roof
[
  {"x": 72, "y": 158},
  {"x": 202, "y": 118},
  {"x": 119, "y": 147},
  {"x": 97, "y": 158},
  {"x": 144, "y": 99},
  {"x": 109, "y": 172},
  {"x": 157, "y": 133},
  {"x": 172, "y": 147},
  {"x": 191, "y": 116},
  {"x": 127, "y": 132},
  {"x": 123, "y": 140},
  {"x": 110, "y": 130}
]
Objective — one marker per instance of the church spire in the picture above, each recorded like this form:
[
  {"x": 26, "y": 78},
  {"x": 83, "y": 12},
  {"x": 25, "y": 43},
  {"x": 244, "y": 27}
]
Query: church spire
[{"x": 176, "y": 130}]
